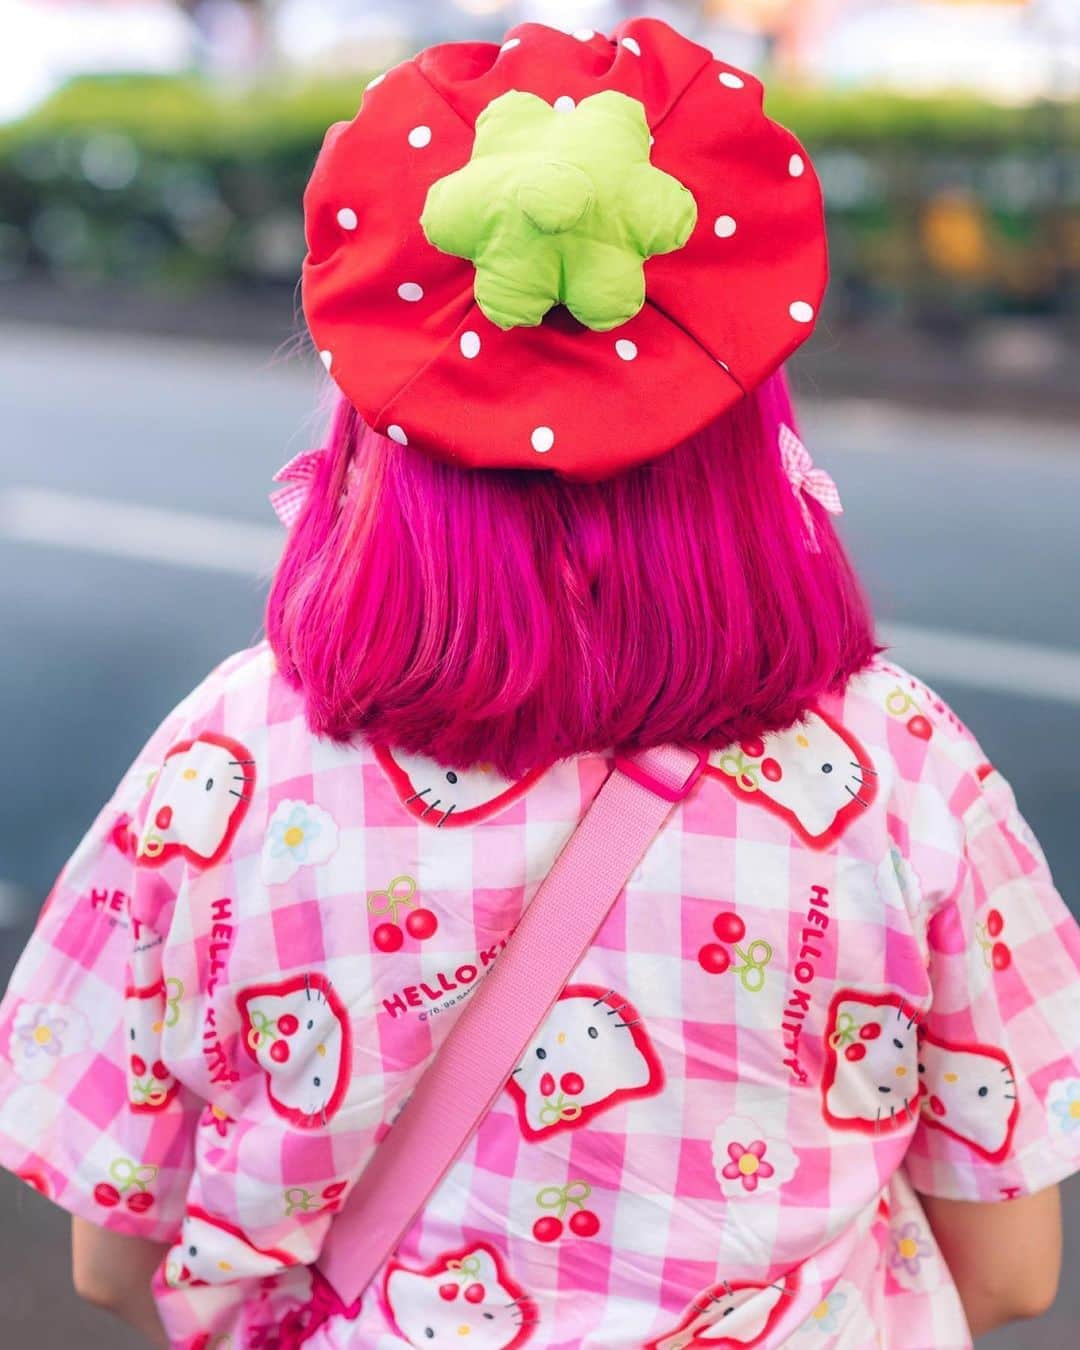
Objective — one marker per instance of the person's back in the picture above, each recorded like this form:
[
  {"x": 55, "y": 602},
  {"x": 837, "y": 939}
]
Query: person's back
[{"x": 836, "y": 995}]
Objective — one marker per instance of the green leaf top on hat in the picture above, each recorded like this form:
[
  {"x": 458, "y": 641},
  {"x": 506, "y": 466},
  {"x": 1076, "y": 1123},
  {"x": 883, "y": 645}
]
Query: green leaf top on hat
[{"x": 559, "y": 205}]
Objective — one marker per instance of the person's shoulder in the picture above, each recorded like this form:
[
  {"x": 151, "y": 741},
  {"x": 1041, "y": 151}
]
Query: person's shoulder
[
  {"x": 914, "y": 729},
  {"x": 242, "y": 694}
]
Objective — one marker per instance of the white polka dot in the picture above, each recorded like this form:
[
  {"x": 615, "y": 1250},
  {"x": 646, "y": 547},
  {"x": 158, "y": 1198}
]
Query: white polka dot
[
  {"x": 626, "y": 349},
  {"x": 347, "y": 218},
  {"x": 631, "y": 45},
  {"x": 327, "y": 358},
  {"x": 564, "y": 103},
  {"x": 585, "y": 34},
  {"x": 543, "y": 438},
  {"x": 730, "y": 80},
  {"x": 410, "y": 290},
  {"x": 377, "y": 80},
  {"x": 801, "y": 311},
  {"x": 470, "y": 344},
  {"x": 795, "y": 166},
  {"x": 510, "y": 44},
  {"x": 419, "y": 137},
  {"x": 396, "y": 434},
  {"x": 725, "y": 226}
]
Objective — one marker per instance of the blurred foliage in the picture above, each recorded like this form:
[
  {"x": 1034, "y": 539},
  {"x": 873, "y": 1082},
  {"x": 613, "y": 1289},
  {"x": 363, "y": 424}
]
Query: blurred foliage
[{"x": 939, "y": 207}]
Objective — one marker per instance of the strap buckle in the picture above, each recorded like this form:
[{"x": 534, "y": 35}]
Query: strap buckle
[{"x": 636, "y": 767}]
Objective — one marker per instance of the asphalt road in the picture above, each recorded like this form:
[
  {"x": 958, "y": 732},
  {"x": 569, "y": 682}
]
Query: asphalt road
[{"x": 965, "y": 529}]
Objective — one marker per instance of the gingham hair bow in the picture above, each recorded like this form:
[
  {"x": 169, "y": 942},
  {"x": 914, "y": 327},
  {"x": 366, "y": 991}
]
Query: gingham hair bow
[
  {"x": 806, "y": 481},
  {"x": 289, "y": 501}
]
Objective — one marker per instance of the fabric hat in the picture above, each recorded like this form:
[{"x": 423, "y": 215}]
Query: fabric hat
[{"x": 566, "y": 252}]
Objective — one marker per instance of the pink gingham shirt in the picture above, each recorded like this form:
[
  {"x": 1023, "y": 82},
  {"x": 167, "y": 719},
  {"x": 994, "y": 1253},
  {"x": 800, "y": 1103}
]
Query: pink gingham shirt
[{"x": 840, "y": 976}]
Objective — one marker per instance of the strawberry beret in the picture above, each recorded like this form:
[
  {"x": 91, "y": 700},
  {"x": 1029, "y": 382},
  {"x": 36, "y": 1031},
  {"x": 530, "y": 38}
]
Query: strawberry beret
[{"x": 566, "y": 252}]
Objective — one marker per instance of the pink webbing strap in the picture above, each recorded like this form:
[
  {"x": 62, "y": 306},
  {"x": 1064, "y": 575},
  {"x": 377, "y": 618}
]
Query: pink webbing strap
[{"x": 491, "y": 1034}]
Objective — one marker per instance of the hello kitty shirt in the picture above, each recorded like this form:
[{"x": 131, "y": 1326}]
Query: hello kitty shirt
[{"x": 840, "y": 976}]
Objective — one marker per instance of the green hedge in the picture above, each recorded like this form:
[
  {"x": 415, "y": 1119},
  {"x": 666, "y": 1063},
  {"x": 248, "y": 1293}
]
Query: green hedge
[
  {"x": 189, "y": 116},
  {"x": 177, "y": 182}
]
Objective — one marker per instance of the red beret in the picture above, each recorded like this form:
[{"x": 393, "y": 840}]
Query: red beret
[{"x": 396, "y": 319}]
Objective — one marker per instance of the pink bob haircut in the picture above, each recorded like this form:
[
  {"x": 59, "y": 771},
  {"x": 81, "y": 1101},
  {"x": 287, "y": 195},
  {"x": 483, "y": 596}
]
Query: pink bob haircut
[{"x": 514, "y": 618}]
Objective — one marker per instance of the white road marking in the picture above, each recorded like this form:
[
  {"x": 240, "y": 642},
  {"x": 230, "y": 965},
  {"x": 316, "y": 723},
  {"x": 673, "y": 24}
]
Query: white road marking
[
  {"x": 213, "y": 543},
  {"x": 998, "y": 665},
  {"x": 129, "y": 530}
]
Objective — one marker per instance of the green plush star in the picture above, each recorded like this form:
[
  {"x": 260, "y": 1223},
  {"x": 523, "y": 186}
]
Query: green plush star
[{"x": 559, "y": 207}]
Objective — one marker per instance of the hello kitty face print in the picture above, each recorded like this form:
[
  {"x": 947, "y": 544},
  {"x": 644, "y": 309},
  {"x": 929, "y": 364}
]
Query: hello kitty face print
[
  {"x": 970, "y": 1095},
  {"x": 464, "y": 1297},
  {"x": 591, "y": 1052},
  {"x": 297, "y": 1031},
  {"x": 728, "y": 1314},
  {"x": 871, "y": 1081},
  {"x": 449, "y": 798},
  {"x": 199, "y": 801},
  {"x": 212, "y": 1251},
  {"x": 151, "y": 1085},
  {"x": 815, "y": 775}
]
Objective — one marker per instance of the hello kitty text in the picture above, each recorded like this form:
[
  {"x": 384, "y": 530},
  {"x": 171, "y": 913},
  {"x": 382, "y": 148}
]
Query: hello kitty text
[
  {"x": 798, "y": 1004},
  {"x": 221, "y": 936},
  {"x": 419, "y": 995}
]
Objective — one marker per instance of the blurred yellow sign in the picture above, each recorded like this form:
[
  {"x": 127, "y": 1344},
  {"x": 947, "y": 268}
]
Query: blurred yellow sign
[{"x": 954, "y": 235}]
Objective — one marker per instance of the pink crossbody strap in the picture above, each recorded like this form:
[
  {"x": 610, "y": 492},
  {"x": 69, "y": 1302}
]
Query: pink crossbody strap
[{"x": 490, "y": 1036}]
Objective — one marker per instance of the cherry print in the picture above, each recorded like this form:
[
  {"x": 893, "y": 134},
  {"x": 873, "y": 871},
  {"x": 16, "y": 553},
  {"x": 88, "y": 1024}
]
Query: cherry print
[
  {"x": 288, "y": 1025},
  {"x": 163, "y": 819},
  {"x": 421, "y": 924},
  {"x": 475, "y": 1293},
  {"x": 388, "y": 937},
  {"x": 106, "y": 1195},
  {"x": 714, "y": 958},
  {"x": 1000, "y": 956},
  {"x": 449, "y": 1292},
  {"x": 547, "y": 1229},
  {"x": 870, "y": 1032},
  {"x": 122, "y": 834},
  {"x": 572, "y": 1084},
  {"x": 994, "y": 923},
  {"x": 753, "y": 746},
  {"x": 547, "y": 1085},
  {"x": 729, "y": 927},
  {"x": 920, "y": 727},
  {"x": 584, "y": 1223},
  {"x": 159, "y": 1070},
  {"x": 855, "y": 1052},
  {"x": 279, "y": 1052},
  {"x": 140, "y": 1202},
  {"x": 138, "y": 1066},
  {"x": 771, "y": 770}
]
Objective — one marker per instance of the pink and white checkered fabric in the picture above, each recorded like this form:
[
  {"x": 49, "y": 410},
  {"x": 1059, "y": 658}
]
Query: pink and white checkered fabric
[{"x": 840, "y": 976}]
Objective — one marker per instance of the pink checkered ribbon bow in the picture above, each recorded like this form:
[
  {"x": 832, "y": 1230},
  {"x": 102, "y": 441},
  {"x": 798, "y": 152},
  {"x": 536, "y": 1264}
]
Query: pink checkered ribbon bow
[
  {"x": 806, "y": 481},
  {"x": 289, "y": 501}
]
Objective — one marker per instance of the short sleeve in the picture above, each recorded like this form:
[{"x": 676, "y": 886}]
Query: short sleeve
[
  {"x": 90, "y": 1115},
  {"x": 999, "y": 1059}
]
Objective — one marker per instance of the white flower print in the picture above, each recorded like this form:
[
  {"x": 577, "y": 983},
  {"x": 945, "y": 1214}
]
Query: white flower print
[
  {"x": 840, "y": 1308},
  {"x": 1063, "y": 1106},
  {"x": 748, "y": 1161},
  {"x": 299, "y": 835},
  {"x": 41, "y": 1035},
  {"x": 906, "y": 878}
]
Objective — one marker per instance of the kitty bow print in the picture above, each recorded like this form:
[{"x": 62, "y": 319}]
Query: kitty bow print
[{"x": 807, "y": 481}]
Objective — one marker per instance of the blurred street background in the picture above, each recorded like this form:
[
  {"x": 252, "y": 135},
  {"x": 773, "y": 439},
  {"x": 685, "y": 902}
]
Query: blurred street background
[{"x": 152, "y": 379}]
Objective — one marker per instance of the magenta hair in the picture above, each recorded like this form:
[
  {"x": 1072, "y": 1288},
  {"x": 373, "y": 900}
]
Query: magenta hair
[{"x": 515, "y": 618}]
